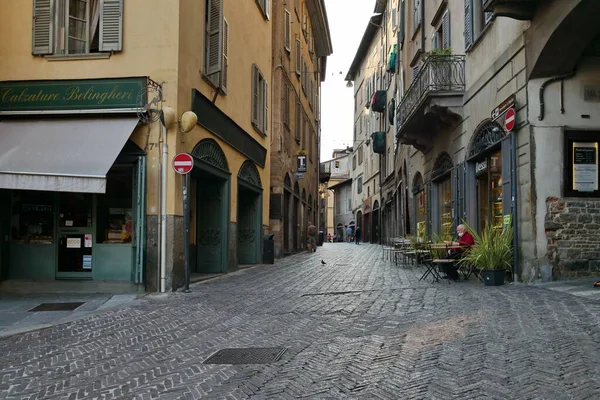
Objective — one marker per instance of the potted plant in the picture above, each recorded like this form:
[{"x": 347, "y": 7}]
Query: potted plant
[
  {"x": 441, "y": 67},
  {"x": 492, "y": 253}
]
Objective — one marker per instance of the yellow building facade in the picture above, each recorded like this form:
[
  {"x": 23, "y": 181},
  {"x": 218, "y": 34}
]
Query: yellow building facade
[{"x": 86, "y": 175}]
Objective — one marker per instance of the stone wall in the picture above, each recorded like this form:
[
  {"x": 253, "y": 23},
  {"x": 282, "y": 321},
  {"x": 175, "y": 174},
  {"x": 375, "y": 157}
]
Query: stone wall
[{"x": 573, "y": 232}]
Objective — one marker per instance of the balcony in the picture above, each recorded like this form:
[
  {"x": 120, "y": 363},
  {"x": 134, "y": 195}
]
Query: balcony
[
  {"x": 516, "y": 9},
  {"x": 324, "y": 172},
  {"x": 433, "y": 102}
]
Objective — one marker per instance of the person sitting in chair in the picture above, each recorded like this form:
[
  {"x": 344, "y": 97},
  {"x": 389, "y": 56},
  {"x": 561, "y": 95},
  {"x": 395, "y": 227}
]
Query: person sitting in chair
[{"x": 466, "y": 240}]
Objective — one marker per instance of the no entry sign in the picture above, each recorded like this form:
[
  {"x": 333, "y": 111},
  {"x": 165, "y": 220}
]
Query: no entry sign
[
  {"x": 183, "y": 163},
  {"x": 510, "y": 120}
]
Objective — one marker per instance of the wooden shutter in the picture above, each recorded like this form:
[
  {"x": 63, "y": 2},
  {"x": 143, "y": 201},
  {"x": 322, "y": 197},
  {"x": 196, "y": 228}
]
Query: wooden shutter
[
  {"x": 214, "y": 37},
  {"x": 111, "y": 25},
  {"x": 298, "y": 57},
  {"x": 255, "y": 96},
  {"x": 298, "y": 117},
  {"x": 286, "y": 104},
  {"x": 468, "y": 24},
  {"x": 265, "y": 104},
  {"x": 402, "y": 28},
  {"x": 434, "y": 41},
  {"x": 446, "y": 30},
  {"x": 43, "y": 27},
  {"x": 417, "y": 13},
  {"x": 225, "y": 57},
  {"x": 267, "y": 8},
  {"x": 394, "y": 18},
  {"x": 287, "y": 30}
]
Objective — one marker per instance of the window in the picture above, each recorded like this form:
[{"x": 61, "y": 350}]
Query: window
[
  {"x": 32, "y": 217},
  {"x": 265, "y": 7},
  {"x": 286, "y": 104},
  {"x": 360, "y": 155},
  {"x": 416, "y": 14},
  {"x": 359, "y": 185},
  {"x": 115, "y": 207},
  {"x": 581, "y": 164},
  {"x": 402, "y": 27},
  {"x": 287, "y": 31},
  {"x": 298, "y": 124},
  {"x": 441, "y": 38},
  {"x": 298, "y": 57},
  {"x": 297, "y": 8},
  {"x": 304, "y": 22},
  {"x": 65, "y": 27},
  {"x": 259, "y": 101},
  {"x": 216, "y": 45},
  {"x": 476, "y": 19},
  {"x": 353, "y": 163}
]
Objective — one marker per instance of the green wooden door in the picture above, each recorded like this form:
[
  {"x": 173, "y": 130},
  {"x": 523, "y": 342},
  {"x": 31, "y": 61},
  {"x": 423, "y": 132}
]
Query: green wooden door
[
  {"x": 248, "y": 228},
  {"x": 211, "y": 235}
]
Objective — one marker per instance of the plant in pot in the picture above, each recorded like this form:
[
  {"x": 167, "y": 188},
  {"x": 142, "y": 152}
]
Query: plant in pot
[
  {"x": 492, "y": 253},
  {"x": 441, "y": 67}
]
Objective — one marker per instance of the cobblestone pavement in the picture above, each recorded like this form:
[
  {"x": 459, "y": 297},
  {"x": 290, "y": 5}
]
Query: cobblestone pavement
[{"x": 357, "y": 327}]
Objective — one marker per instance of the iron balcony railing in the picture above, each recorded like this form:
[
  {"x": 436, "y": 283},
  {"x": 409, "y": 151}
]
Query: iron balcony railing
[{"x": 439, "y": 73}]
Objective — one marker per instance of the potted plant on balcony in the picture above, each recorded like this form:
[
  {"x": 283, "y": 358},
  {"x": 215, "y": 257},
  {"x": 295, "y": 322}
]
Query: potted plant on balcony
[
  {"x": 441, "y": 68},
  {"x": 492, "y": 253}
]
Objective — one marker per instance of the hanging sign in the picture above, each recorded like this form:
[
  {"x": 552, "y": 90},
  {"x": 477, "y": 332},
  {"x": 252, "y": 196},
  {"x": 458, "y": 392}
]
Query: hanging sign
[
  {"x": 510, "y": 102},
  {"x": 480, "y": 167},
  {"x": 301, "y": 163}
]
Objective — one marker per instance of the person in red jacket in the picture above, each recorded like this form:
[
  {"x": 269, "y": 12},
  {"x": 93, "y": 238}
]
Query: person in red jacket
[{"x": 466, "y": 240}]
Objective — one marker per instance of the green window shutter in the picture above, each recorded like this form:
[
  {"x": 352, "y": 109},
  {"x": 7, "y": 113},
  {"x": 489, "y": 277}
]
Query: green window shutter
[
  {"x": 43, "y": 27},
  {"x": 255, "y": 96},
  {"x": 402, "y": 23},
  {"x": 468, "y": 24},
  {"x": 111, "y": 25},
  {"x": 446, "y": 31},
  {"x": 225, "y": 57},
  {"x": 214, "y": 37}
]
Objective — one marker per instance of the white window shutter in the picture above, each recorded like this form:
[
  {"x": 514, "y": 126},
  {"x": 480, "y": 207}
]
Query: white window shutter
[
  {"x": 43, "y": 27},
  {"x": 225, "y": 56},
  {"x": 287, "y": 29},
  {"x": 111, "y": 25},
  {"x": 468, "y": 24},
  {"x": 268, "y": 8},
  {"x": 255, "y": 96},
  {"x": 446, "y": 30},
  {"x": 214, "y": 39},
  {"x": 265, "y": 107},
  {"x": 394, "y": 18},
  {"x": 298, "y": 57}
]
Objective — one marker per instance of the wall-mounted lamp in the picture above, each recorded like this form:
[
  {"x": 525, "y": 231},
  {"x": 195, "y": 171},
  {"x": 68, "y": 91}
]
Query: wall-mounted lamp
[{"x": 349, "y": 84}]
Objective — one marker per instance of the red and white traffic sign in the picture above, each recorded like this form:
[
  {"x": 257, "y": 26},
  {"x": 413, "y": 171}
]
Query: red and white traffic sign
[
  {"x": 183, "y": 163},
  {"x": 510, "y": 120}
]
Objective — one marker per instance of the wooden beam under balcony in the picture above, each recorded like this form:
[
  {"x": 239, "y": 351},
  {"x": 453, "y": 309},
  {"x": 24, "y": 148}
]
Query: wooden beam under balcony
[{"x": 521, "y": 10}]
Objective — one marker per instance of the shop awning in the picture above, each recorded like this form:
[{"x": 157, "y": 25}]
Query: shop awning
[{"x": 63, "y": 155}]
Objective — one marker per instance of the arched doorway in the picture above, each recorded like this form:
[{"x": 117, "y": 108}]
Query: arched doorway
[
  {"x": 359, "y": 221},
  {"x": 210, "y": 183},
  {"x": 420, "y": 206},
  {"x": 303, "y": 220},
  {"x": 287, "y": 218},
  {"x": 296, "y": 217},
  {"x": 441, "y": 208},
  {"x": 366, "y": 227},
  {"x": 375, "y": 223},
  {"x": 249, "y": 214},
  {"x": 339, "y": 231}
]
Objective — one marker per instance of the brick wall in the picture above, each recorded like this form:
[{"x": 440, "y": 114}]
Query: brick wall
[{"x": 573, "y": 233}]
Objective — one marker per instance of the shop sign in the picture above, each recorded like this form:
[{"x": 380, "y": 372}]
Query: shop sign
[
  {"x": 68, "y": 95},
  {"x": 299, "y": 175},
  {"x": 591, "y": 93},
  {"x": 585, "y": 167},
  {"x": 480, "y": 167},
  {"x": 301, "y": 163}
]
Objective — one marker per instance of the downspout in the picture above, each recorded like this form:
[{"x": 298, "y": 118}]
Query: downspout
[
  {"x": 163, "y": 215},
  {"x": 543, "y": 88}
]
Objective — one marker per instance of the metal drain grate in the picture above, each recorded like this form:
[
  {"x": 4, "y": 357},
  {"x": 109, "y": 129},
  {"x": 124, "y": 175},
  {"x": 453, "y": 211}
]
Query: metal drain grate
[
  {"x": 56, "y": 307},
  {"x": 248, "y": 355}
]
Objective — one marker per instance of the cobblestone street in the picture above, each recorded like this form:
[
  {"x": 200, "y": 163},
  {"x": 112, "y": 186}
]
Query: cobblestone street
[{"x": 358, "y": 327}]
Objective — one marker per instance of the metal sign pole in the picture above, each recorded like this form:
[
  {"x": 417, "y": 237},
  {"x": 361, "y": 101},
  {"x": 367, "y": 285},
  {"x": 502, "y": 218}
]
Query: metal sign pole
[{"x": 186, "y": 235}]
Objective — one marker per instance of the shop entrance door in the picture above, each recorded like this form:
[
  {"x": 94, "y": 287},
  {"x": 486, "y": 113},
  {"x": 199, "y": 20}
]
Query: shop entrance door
[{"x": 75, "y": 230}]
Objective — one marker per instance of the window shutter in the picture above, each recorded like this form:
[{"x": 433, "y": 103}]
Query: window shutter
[
  {"x": 394, "y": 18},
  {"x": 268, "y": 8},
  {"x": 468, "y": 24},
  {"x": 111, "y": 25},
  {"x": 402, "y": 24},
  {"x": 434, "y": 41},
  {"x": 287, "y": 29},
  {"x": 43, "y": 27},
  {"x": 446, "y": 31},
  {"x": 225, "y": 51},
  {"x": 417, "y": 13},
  {"x": 286, "y": 104},
  {"x": 214, "y": 40},
  {"x": 255, "y": 96},
  {"x": 298, "y": 117},
  {"x": 298, "y": 57},
  {"x": 265, "y": 125}
]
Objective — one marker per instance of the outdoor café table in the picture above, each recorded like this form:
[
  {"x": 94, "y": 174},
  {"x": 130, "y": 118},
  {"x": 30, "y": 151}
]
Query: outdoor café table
[{"x": 432, "y": 266}]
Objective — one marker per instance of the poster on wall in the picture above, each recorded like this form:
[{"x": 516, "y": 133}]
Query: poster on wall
[{"x": 585, "y": 166}]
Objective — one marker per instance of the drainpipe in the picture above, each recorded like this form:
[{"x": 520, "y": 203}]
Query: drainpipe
[
  {"x": 163, "y": 214},
  {"x": 543, "y": 88}
]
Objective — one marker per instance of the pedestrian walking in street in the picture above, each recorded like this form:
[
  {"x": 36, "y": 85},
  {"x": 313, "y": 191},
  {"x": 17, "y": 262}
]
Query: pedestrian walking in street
[
  {"x": 311, "y": 235},
  {"x": 357, "y": 234},
  {"x": 348, "y": 233}
]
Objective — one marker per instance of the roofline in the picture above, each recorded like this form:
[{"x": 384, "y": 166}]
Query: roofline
[
  {"x": 365, "y": 43},
  {"x": 320, "y": 27},
  {"x": 380, "y": 6},
  {"x": 349, "y": 180}
]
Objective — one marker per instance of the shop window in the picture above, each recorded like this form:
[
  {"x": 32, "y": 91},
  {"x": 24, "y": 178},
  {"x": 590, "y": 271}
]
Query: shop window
[
  {"x": 115, "y": 208},
  {"x": 420, "y": 206},
  {"x": 32, "y": 217},
  {"x": 445, "y": 205},
  {"x": 488, "y": 173},
  {"x": 581, "y": 164}
]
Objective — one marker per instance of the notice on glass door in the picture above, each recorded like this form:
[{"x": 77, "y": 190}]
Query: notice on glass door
[
  {"x": 73, "y": 243},
  {"x": 87, "y": 240},
  {"x": 585, "y": 167}
]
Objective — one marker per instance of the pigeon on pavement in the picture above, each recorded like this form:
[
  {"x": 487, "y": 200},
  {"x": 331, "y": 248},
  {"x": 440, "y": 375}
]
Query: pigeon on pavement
[{"x": 323, "y": 262}]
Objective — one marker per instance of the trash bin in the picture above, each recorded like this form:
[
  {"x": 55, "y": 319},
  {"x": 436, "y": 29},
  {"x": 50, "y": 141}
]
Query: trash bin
[
  {"x": 268, "y": 249},
  {"x": 321, "y": 238}
]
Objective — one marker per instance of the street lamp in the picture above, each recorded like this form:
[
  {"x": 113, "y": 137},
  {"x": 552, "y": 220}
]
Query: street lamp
[{"x": 186, "y": 123}]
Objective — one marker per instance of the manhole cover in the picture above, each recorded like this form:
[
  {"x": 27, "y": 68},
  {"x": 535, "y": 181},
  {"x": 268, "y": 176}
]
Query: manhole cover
[
  {"x": 56, "y": 307},
  {"x": 248, "y": 355}
]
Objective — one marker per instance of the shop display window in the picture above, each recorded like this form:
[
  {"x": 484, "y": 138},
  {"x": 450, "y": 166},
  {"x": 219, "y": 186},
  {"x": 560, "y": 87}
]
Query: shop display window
[
  {"x": 32, "y": 217},
  {"x": 489, "y": 191},
  {"x": 445, "y": 204},
  {"x": 115, "y": 208},
  {"x": 421, "y": 215},
  {"x": 581, "y": 164}
]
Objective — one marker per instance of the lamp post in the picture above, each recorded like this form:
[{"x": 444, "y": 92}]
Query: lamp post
[{"x": 186, "y": 123}]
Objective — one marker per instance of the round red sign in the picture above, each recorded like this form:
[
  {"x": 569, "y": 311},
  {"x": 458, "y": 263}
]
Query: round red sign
[
  {"x": 510, "y": 119},
  {"x": 183, "y": 163}
]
